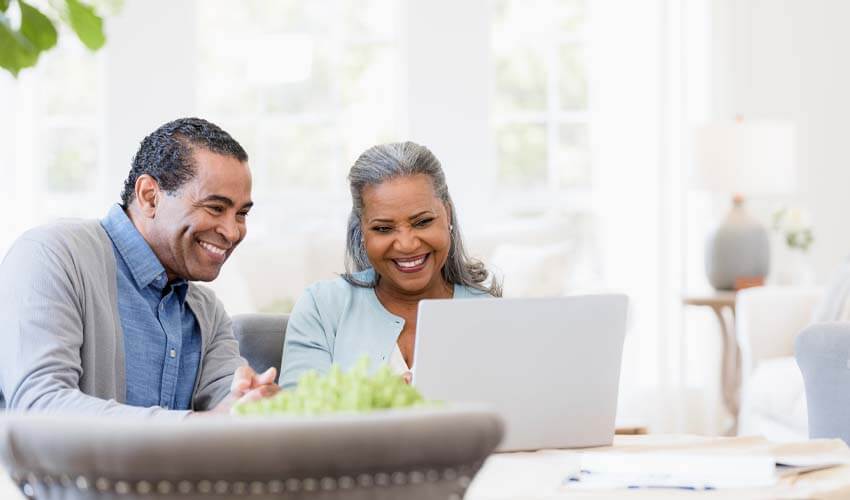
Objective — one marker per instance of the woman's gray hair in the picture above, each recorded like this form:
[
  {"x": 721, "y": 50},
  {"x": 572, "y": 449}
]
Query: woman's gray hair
[{"x": 384, "y": 162}]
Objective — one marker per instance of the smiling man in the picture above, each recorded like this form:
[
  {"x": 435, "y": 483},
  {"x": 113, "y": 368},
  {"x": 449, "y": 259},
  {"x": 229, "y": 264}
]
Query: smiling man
[{"x": 103, "y": 317}]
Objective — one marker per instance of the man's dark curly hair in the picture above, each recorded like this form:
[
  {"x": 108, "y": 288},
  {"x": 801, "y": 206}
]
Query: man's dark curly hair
[{"x": 166, "y": 154}]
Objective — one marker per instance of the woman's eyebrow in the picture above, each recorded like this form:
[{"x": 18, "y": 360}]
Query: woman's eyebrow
[
  {"x": 412, "y": 217},
  {"x": 420, "y": 214}
]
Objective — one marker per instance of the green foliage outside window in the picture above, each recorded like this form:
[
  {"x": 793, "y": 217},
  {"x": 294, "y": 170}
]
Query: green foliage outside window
[{"x": 21, "y": 46}]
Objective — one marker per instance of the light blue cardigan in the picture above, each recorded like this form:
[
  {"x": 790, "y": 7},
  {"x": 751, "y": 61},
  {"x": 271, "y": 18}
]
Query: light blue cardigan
[{"x": 336, "y": 322}]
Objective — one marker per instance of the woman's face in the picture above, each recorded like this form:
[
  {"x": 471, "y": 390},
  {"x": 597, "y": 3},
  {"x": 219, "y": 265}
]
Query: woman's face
[{"x": 406, "y": 233}]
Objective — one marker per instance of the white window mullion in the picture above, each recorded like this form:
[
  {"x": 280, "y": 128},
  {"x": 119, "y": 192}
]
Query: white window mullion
[{"x": 553, "y": 105}]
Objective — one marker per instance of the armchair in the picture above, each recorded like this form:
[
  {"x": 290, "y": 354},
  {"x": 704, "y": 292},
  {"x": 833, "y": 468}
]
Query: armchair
[
  {"x": 821, "y": 351},
  {"x": 773, "y": 399}
]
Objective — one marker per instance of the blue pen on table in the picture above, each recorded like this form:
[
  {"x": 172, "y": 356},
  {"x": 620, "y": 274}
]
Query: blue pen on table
[
  {"x": 586, "y": 474},
  {"x": 668, "y": 487}
]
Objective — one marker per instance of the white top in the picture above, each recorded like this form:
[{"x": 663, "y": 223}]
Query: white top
[
  {"x": 337, "y": 322},
  {"x": 397, "y": 362}
]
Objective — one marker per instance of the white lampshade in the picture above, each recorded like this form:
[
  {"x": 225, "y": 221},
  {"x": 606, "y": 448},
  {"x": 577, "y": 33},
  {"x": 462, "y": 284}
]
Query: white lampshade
[{"x": 746, "y": 157}]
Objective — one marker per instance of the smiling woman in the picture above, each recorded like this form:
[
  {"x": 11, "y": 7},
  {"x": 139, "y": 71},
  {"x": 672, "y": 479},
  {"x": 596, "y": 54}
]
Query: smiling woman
[
  {"x": 404, "y": 245},
  {"x": 405, "y": 183},
  {"x": 406, "y": 236}
]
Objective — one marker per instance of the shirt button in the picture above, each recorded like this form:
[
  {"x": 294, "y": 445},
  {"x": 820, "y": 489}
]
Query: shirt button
[{"x": 172, "y": 353}]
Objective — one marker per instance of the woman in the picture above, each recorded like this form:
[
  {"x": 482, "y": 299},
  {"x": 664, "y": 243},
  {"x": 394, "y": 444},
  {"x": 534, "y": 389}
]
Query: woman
[{"x": 403, "y": 245}]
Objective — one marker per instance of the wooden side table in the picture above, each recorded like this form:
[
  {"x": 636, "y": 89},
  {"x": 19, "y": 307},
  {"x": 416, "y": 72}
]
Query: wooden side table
[{"x": 730, "y": 367}]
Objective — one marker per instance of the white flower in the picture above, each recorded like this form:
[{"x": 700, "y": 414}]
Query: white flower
[
  {"x": 795, "y": 220},
  {"x": 794, "y": 226}
]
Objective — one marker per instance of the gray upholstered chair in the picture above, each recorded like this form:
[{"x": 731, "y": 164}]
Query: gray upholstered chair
[
  {"x": 260, "y": 339},
  {"x": 413, "y": 454},
  {"x": 823, "y": 354}
]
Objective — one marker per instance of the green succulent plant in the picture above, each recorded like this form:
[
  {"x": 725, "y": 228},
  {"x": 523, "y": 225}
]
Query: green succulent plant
[{"x": 355, "y": 391}]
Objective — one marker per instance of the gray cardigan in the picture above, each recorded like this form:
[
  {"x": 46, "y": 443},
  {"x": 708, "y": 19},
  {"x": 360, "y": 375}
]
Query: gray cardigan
[{"x": 61, "y": 343}]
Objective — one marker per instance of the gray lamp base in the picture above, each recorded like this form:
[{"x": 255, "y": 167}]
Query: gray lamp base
[{"x": 738, "y": 249}]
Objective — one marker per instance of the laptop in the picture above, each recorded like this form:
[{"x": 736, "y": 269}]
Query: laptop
[{"x": 549, "y": 366}]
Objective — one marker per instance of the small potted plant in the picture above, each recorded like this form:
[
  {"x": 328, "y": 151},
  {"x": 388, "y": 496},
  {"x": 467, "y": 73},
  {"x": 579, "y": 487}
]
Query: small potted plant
[{"x": 794, "y": 230}]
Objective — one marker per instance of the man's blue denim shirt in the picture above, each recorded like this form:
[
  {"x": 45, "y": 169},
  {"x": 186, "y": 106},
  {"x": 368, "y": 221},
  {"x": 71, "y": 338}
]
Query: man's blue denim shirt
[{"x": 162, "y": 339}]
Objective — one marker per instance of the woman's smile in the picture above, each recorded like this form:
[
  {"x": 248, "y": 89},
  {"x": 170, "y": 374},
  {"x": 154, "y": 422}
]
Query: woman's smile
[{"x": 411, "y": 264}]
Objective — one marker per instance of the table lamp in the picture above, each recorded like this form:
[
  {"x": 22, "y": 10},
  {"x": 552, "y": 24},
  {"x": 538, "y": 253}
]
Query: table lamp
[{"x": 752, "y": 158}]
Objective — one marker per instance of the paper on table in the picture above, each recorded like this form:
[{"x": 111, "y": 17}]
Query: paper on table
[
  {"x": 813, "y": 452},
  {"x": 817, "y": 454},
  {"x": 522, "y": 475},
  {"x": 696, "y": 471},
  {"x": 757, "y": 464}
]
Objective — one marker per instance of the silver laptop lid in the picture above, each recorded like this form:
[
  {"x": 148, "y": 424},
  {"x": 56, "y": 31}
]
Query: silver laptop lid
[{"x": 550, "y": 367}]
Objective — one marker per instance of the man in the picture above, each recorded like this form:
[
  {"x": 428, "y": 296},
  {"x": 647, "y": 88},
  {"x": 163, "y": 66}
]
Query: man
[{"x": 102, "y": 317}]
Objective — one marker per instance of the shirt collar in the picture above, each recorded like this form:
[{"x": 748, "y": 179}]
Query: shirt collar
[
  {"x": 180, "y": 288},
  {"x": 137, "y": 254}
]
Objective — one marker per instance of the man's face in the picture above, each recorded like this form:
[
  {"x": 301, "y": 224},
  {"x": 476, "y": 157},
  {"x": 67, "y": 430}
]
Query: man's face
[{"x": 195, "y": 229}]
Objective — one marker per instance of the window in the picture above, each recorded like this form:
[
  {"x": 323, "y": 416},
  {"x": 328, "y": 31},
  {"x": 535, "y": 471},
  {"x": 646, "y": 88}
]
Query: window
[
  {"x": 70, "y": 119},
  {"x": 305, "y": 87},
  {"x": 541, "y": 123},
  {"x": 55, "y": 167},
  {"x": 541, "y": 103},
  {"x": 314, "y": 90}
]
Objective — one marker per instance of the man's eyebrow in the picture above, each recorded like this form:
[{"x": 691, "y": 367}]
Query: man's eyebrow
[{"x": 225, "y": 200}]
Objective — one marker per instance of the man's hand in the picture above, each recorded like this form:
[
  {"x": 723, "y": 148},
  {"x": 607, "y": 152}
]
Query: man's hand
[
  {"x": 246, "y": 381},
  {"x": 247, "y": 386}
]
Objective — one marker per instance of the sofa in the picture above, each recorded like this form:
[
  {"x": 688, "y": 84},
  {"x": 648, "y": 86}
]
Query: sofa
[
  {"x": 260, "y": 337},
  {"x": 773, "y": 398}
]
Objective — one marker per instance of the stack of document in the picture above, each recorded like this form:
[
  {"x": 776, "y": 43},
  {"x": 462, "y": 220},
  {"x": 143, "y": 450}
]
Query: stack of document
[{"x": 758, "y": 465}]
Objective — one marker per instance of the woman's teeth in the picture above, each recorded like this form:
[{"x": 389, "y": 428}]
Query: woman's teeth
[{"x": 411, "y": 263}]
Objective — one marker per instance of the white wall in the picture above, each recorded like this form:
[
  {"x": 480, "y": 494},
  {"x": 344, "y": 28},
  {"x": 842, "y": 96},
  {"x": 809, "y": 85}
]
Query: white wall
[
  {"x": 447, "y": 78},
  {"x": 786, "y": 59},
  {"x": 148, "y": 80}
]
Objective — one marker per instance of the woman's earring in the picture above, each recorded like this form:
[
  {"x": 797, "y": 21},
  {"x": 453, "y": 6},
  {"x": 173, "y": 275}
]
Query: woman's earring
[{"x": 451, "y": 228}]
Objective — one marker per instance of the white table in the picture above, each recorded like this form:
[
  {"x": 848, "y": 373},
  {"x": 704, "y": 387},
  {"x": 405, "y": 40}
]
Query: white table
[{"x": 538, "y": 475}]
